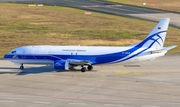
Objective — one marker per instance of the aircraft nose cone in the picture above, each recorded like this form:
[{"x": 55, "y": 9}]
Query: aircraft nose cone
[{"x": 6, "y": 56}]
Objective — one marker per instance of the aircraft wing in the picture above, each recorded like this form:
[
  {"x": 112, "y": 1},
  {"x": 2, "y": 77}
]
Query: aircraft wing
[{"x": 79, "y": 62}]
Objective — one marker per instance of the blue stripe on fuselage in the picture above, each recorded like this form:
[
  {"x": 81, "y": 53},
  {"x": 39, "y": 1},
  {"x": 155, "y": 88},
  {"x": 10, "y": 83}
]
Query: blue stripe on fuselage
[{"x": 95, "y": 59}]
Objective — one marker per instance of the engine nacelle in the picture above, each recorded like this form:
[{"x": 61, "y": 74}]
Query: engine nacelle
[{"x": 61, "y": 65}]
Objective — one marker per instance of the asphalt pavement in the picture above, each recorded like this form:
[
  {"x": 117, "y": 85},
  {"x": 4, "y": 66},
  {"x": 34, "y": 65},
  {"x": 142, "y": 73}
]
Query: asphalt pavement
[{"x": 151, "y": 84}]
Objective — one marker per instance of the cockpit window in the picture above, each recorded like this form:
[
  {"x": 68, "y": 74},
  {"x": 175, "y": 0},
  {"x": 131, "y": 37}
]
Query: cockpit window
[{"x": 13, "y": 52}]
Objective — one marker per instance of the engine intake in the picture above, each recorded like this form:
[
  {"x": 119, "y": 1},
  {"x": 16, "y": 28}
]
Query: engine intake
[{"x": 61, "y": 65}]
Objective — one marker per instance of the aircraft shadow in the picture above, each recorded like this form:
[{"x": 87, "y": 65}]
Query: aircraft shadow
[
  {"x": 46, "y": 69},
  {"x": 26, "y": 71},
  {"x": 8, "y": 72},
  {"x": 35, "y": 70}
]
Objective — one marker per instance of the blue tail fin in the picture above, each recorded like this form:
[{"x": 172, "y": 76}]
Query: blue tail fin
[{"x": 156, "y": 37}]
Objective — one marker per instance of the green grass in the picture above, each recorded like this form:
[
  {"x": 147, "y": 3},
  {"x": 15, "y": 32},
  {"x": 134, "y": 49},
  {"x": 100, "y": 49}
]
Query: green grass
[{"x": 53, "y": 25}]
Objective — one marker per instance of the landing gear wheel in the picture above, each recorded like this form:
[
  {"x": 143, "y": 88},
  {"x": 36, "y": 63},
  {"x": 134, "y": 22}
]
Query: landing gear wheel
[
  {"x": 90, "y": 67},
  {"x": 83, "y": 69},
  {"x": 22, "y": 67}
]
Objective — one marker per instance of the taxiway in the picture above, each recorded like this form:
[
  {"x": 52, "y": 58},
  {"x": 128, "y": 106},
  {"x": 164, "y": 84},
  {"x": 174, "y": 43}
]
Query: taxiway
[{"x": 148, "y": 84}]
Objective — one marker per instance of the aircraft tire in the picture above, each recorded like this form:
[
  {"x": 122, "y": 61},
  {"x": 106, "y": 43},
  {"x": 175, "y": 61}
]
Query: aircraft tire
[
  {"x": 21, "y": 67},
  {"x": 90, "y": 67},
  {"x": 83, "y": 69}
]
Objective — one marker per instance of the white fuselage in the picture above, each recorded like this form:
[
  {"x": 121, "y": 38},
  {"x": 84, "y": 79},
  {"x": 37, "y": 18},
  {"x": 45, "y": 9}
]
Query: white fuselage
[{"x": 94, "y": 54}]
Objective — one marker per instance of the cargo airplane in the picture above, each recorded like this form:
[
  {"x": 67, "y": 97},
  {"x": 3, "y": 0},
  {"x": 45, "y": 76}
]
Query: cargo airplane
[{"x": 66, "y": 57}]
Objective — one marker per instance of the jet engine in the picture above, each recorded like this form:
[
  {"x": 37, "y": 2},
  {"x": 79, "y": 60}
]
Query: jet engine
[{"x": 61, "y": 65}]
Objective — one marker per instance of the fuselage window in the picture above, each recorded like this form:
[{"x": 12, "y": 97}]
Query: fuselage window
[{"x": 13, "y": 52}]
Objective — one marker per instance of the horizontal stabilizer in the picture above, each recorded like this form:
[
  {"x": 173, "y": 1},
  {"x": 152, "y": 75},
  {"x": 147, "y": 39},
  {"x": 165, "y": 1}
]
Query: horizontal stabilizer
[
  {"x": 164, "y": 49},
  {"x": 169, "y": 47}
]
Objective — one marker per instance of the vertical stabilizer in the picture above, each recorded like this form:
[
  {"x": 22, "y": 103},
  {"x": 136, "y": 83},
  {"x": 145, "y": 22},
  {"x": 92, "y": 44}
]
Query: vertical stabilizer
[{"x": 156, "y": 37}]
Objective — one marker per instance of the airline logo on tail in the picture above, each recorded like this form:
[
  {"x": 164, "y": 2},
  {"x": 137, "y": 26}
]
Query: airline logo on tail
[
  {"x": 154, "y": 41},
  {"x": 157, "y": 36}
]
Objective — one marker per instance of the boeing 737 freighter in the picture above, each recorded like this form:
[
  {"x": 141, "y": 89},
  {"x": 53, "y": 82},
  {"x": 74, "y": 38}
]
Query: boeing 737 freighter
[{"x": 66, "y": 57}]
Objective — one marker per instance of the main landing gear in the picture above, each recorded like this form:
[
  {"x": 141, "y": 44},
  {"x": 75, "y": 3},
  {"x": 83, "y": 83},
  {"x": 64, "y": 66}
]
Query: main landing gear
[
  {"x": 83, "y": 69},
  {"x": 21, "y": 67}
]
